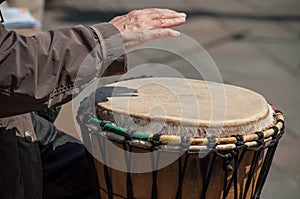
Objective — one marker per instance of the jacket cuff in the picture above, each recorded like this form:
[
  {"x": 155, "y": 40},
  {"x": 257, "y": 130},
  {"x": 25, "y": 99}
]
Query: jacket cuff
[{"x": 113, "y": 50}]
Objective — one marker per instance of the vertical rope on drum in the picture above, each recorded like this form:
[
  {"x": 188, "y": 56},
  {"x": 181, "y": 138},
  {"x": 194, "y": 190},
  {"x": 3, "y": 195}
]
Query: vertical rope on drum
[
  {"x": 227, "y": 168},
  {"x": 235, "y": 173},
  {"x": 155, "y": 147},
  {"x": 267, "y": 162},
  {"x": 129, "y": 186},
  {"x": 181, "y": 172},
  {"x": 92, "y": 162},
  {"x": 204, "y": 167},
  {"x": 154, "y": 174},
  {"x": 98, "y": 143},
  {"x": 264, "y": 171},
  {"x": 207, "y": 175},
  {"x": 254, "y": 175},
  {"x": 154, "y": 185},
  {"x": 237, "y": 160},
  {"x": 234, "y": 179},
  {"x": 254, "y": 163},
  {"x": 105, "y": 167}
]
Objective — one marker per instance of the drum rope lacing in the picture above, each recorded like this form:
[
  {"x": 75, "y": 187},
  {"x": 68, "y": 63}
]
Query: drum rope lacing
[
  {"x": 227, "y": 148},
  {"x": 175, "y": 142}
]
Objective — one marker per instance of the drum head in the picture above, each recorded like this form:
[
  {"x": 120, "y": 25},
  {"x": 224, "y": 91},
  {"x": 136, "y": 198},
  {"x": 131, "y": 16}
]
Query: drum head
[{"x": 183, "y": 106}]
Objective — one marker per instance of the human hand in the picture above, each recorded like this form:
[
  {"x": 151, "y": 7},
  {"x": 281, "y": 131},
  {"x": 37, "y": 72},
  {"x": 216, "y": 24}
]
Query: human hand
[{"x": 140, "y": 26}]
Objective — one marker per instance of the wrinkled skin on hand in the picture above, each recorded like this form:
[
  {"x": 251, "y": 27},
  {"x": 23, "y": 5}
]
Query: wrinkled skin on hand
[{"x": 140, "y": 26}]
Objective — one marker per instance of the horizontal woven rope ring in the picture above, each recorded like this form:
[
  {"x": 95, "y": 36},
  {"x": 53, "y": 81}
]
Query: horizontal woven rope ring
[{"x": 169, "y": 142}]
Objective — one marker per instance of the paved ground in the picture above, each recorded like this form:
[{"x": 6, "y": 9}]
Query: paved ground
[{"x": 254, "y": 43}]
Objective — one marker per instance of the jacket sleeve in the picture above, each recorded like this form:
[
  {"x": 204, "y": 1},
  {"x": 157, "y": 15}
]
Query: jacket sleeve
[{"x": 41, "y": 71}]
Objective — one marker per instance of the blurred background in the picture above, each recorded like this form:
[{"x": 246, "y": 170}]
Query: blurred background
[{"x": 254, "y": 43}]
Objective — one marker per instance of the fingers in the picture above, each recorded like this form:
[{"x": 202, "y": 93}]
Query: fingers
[
  {"x": 136, "y": 38},
  {"x": 156, "y": 13},
  {"x": 155, "y": 18},
  {"x": 166, "y": 23},
  {"x": 149, "y": 18},
  {"x": 140, "y": 26},
  {"x": 159, "y": 33}
]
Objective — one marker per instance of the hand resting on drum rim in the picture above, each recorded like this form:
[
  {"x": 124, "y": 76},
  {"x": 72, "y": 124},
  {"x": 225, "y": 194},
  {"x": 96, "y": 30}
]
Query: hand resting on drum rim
[{"x": 140, "y": 26}]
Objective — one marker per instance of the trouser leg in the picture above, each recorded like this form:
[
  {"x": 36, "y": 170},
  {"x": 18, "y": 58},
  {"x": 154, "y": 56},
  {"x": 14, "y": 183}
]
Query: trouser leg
[{"x": 68, "y": 169}]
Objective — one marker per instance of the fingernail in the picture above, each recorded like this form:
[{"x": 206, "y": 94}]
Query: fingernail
[{"x": 182, "y": 14}]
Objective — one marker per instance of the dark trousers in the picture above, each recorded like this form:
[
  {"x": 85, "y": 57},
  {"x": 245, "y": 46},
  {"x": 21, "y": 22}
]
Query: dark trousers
[{"x": 68, "y": 169}]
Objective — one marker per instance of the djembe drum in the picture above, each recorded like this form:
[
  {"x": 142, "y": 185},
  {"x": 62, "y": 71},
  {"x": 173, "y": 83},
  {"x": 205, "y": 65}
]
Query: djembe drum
[{"x": 206, "y": 157}]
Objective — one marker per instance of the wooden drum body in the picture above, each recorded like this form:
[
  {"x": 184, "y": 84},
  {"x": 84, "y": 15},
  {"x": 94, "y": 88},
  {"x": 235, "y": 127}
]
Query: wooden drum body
[{"x": 191, "y": 150}]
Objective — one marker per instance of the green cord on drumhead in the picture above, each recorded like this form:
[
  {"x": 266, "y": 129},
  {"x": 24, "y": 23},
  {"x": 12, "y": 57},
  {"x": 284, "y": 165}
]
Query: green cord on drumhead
[
  {"x": 96, "y": 120},
  {"x": 141, "y": 136},
  {"x": 121, "y": 131}
]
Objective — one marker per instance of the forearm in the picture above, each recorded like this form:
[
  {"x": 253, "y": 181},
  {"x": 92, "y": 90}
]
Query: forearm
[{"x": 41, "y": 71}]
